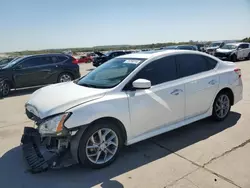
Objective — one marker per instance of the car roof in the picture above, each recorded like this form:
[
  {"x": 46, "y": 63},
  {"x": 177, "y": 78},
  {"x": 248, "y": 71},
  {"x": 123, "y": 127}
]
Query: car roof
[
  {"x": 237, "y": 43},
  {"x": 156, "y": 53},
  {"x": 52, "y": 54}
]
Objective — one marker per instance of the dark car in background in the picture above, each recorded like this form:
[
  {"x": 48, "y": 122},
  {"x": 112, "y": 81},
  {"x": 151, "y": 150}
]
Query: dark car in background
[
  {"x": 102, "y": 58},
  {"x": 37, "y": 70}
]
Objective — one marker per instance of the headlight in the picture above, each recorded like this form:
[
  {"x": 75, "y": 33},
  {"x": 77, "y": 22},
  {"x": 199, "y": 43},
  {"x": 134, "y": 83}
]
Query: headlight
[{"x": 53, "y": 125}]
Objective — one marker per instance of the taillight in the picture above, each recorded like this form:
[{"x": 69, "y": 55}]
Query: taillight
[
  {"x": 74, "y": 60},
  {"x": 238, "y": 71}
]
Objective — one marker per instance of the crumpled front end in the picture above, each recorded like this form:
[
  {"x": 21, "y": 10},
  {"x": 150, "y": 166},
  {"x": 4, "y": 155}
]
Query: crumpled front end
[{"x": 42, "y": 153}]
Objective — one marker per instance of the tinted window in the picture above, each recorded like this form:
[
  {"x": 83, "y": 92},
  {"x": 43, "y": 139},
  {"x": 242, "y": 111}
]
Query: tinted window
[
  {"x": 211, "y": 63},
  {"x": 31, "y": 62},
  {"x": 191, "y": 64},
  {"x": 48, "y": 60},
  {"x": 62, "y": 58},
  {"x": 159, "y": 71},
  {"x": 244, "y": 46}
]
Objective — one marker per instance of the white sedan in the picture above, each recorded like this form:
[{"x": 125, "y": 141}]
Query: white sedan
[{"x": 126, "y": 100}]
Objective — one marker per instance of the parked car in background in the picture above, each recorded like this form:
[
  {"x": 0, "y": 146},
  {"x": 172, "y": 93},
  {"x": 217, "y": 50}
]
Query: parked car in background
[
  {"x": 102, "y": 58},
  {"x": 234, "y": 51},
  {"x": 126, "y": 100},
  {"x": 214, "y": 46},
  {"x": 37, "y": 70},
  {"x": 201, "y": 47},
  {"x": 6, "y": 60},
  {"x": 84, "y": 59},
  {"x": 181, "y": 47}
]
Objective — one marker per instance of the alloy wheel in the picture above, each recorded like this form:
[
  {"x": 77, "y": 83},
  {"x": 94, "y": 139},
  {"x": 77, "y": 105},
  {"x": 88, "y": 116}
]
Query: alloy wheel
[
  {"x": 102, "y": 146},
  {"x": 222, "y": 106},
  {"x": 5, "y": 89},
  {"x": 65, "y": 78}
]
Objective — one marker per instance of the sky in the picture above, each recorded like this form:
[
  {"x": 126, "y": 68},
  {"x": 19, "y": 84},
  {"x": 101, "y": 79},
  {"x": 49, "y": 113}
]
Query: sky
[{"x": 47, "y": 24}]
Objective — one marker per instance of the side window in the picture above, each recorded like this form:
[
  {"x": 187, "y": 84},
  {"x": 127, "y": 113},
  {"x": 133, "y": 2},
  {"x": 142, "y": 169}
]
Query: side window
[
  {"x": 191, "y": 64},
  {"x": 32, "y": 62},
  {"x": 46, "y": 60},
  {"x": 211, "y": 62},
  {"x": 159, "y": 71},
  {"x": 62, "y": 58},
  {"x": 244, "y": 46}
]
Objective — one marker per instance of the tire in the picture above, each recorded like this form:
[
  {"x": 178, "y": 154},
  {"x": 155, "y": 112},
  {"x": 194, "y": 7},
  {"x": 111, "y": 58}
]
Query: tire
[
  {"x": 234, "y": 58},
  {"x": 88, "y": 156},
  {"x": 64, "y": 77},
  {"x": 221, "y": 111},
  {"x": 248, "y": 57},
  {"x": 5, "y": 89}
]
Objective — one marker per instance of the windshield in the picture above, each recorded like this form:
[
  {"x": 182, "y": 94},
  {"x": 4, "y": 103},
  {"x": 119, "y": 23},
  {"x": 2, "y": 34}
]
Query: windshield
[
  {"x": 171, "y": 47},
  {"x": 108, "y": 53},
  {"x": 4, "y": 61},
  {"x": 13, "y": 62},
  {"x": 229, "y": 46},
  {"x": 185, "y": 47},
  {"x": 110, "y": 73},
  {"x": 214, "y": 44}
]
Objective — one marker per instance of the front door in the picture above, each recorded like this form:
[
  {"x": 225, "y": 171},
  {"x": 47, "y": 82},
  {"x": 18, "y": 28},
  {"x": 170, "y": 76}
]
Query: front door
[
  {"x": 32, "y": 71},
  {"x": 201, "y": 82},
  {"x": 161, "y": 105}
]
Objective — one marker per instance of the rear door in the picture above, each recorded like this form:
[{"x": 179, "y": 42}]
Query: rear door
[{"x": 201, "y": 82}]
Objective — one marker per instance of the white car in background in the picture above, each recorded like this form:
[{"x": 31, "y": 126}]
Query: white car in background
[
  {"x": 234, "y": 51},
  {"x": 126, "y": 100}
]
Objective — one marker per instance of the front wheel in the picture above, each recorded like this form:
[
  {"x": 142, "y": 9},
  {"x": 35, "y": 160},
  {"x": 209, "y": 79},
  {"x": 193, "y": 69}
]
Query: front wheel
[
  {"x": 5, "y": 88},
  {"x": 234, "y": 58},
  {"x": 221, "y": 106},
  {"x": 100, "y": 145}
]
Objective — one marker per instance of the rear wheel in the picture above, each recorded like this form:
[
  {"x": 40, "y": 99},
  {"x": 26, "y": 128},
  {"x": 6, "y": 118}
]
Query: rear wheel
[
  {"x": 221, "y": 106},
  {"x": 5, "y": 88},
  {"x": 234, "y": 58},
  {"x": 248, "y": 57},
  {"x": 65, "y": 77},
  {"x": 100, "y": 145}
]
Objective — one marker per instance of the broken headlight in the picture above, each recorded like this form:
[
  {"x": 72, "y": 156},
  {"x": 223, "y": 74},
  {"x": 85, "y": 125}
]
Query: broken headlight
[{"x": 53, "y": 125}]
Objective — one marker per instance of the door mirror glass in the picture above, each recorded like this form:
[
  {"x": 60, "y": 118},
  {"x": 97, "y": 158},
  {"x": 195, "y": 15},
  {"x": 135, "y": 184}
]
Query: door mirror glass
[{"x": 141, "y": 84}]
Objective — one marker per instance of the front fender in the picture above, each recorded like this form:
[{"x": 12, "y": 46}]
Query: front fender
[{"x": 114, "y": 105}]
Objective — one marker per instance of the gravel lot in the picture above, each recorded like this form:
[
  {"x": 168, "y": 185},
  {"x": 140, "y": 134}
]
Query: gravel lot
[{"x": 204, "y": 154}]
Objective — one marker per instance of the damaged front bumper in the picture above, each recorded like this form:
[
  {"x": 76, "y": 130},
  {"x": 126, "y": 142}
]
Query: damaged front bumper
[{"x": 42, "y": 153}]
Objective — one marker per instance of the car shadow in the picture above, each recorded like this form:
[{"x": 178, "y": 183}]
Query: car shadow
[
  {"x": 90, "y": 69},
  {"x": 13, "y": 174}
]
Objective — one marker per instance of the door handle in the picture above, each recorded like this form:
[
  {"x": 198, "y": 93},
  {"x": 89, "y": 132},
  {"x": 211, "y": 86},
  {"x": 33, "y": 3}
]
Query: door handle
[
  {"x": 176, "y": 92},
  {"x": 212, "y": 82}
]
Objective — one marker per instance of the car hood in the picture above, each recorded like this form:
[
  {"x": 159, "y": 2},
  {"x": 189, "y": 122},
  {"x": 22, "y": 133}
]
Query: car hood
[
  {"x": 58, "y": 98},
  {"x": 224, "y": 50}
]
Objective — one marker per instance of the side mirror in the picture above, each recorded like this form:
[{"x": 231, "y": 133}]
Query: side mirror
[
  {"x": 141, "y": 84},
  {"x": 239, "y": 48}
]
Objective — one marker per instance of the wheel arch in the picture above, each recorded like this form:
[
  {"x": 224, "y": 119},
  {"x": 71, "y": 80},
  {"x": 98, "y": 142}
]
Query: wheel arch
[
  {"x": 67, "y": 72},
  {"x": 230, "y": 93},
  {"x": 115, "y": 121},
  {"x": 74, "y": 144}
]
